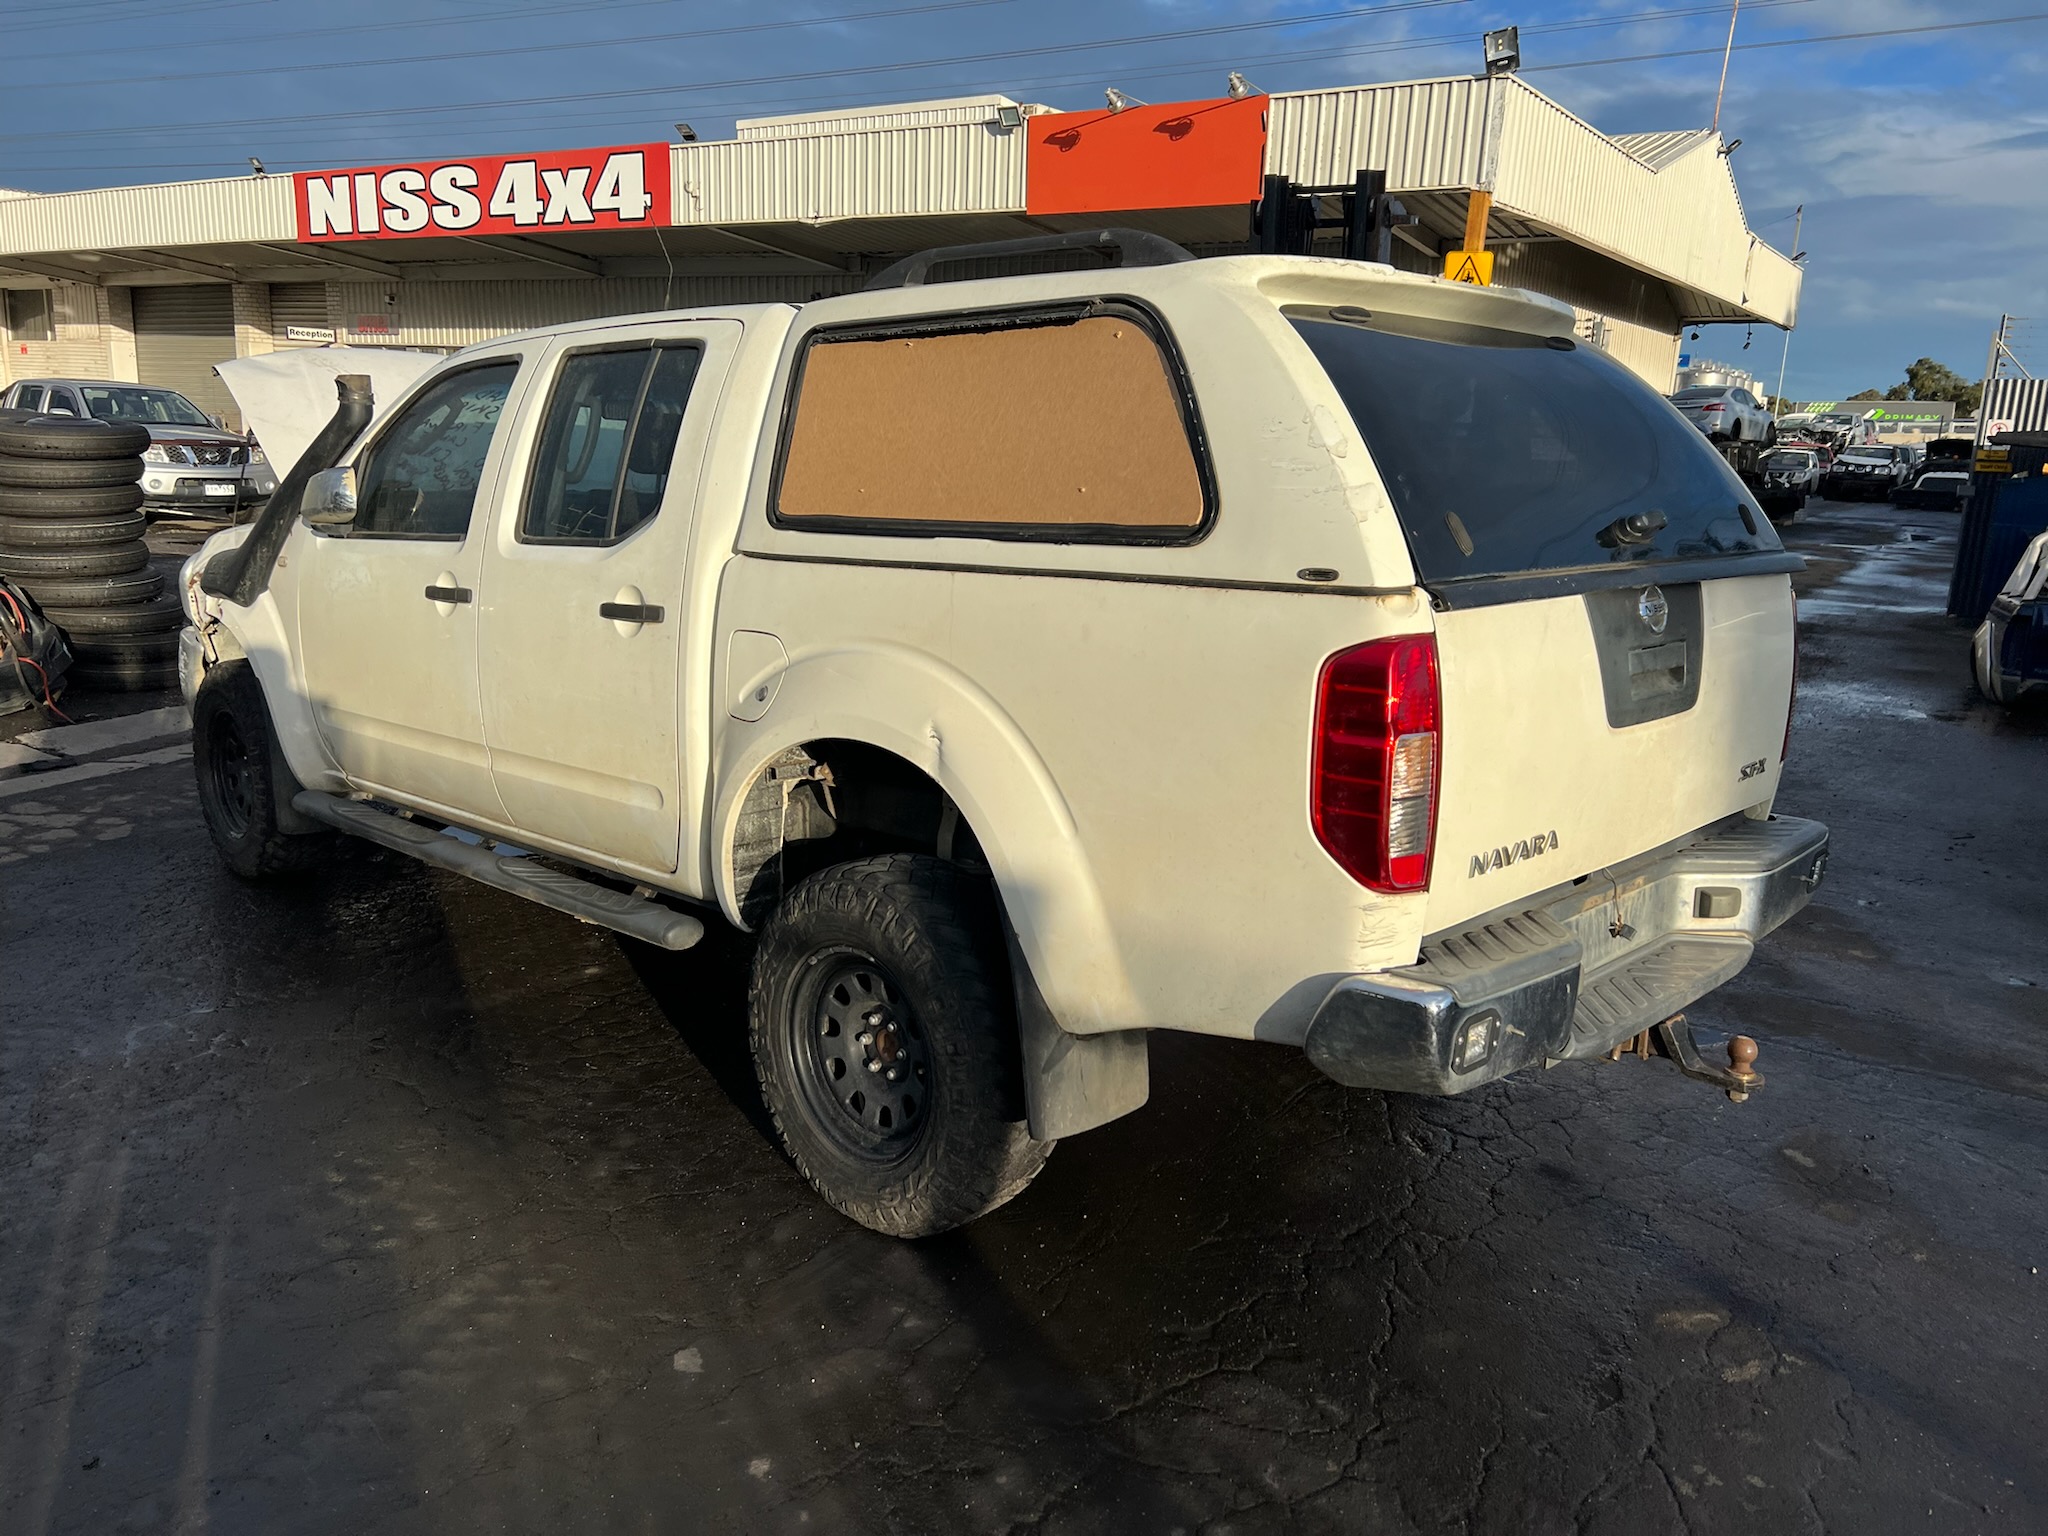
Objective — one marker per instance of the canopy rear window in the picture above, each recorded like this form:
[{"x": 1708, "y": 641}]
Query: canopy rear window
[{"x": 1507, "y": 454}]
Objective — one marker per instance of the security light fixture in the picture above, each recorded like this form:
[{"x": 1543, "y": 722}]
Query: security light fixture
[
  {"x": 1009, "y": 116},
  {"x": 686, "y": 133},
  {"x": 1118, "y": 101},
  {"x": 1239, "y": 87},
  {"x": 1503, "y": 51},
  {"x": 257, "y": 166},
  {"x": 1731, "y": 146}
]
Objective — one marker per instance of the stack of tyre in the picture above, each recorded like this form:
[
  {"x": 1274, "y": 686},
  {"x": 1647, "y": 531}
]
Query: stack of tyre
[{"x": 71, "y": 529}]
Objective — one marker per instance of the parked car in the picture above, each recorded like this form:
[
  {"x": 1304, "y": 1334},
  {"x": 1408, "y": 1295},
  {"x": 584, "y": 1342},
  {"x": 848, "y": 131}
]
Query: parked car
[
  {"x": 2009, "y": 651},
  {"x": 1865, "y": 471},
  {"x": 1790, "y": 475},
  {"x": 193, "y": 464},
  {"x": 1950, "y": 453},
  {"x": 1725, "y": 411},
  {"x": 897, "y": 628},
  {"x": 1939, "y": 490}
]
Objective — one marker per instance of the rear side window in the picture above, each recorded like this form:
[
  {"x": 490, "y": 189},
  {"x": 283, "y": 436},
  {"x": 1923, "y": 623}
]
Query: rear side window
[
  {"x": 1073, "y": 426},
  {"x": 1506, "y": 454},
  {"x": 603, "y": 461}
]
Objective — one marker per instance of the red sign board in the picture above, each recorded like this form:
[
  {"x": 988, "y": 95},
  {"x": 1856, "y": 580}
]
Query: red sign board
[
  {"x": 1189, "y": 154},
  {"x": 620, "y": 188}
]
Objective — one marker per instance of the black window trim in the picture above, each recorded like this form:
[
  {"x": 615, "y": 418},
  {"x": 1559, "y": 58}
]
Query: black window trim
[
  {"x": 651, "y": 346},
  {"x": 1492, "y": 590},
  {"x": 373, "y": 444},
  {"x": 1007, "y": 317}
]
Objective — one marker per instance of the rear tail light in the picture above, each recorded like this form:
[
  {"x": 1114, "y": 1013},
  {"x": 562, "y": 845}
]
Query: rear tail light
[
  {"x": 1786, "y": 750},
  {"x": 1716, "y": 407},
  {"x": 1373, "y": 787}
]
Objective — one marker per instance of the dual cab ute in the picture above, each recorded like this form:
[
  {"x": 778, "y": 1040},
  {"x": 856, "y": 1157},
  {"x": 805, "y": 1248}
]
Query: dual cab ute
[{"x": 1269, "y": 647}]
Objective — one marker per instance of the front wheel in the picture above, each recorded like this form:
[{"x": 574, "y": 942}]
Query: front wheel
[
  {"x": 243, "y": 779},
  {"x": 886, "y": 1044}
]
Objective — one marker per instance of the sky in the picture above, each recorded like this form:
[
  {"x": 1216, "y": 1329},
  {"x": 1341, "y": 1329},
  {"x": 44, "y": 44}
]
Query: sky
[{"x": 1920, "y": 157}]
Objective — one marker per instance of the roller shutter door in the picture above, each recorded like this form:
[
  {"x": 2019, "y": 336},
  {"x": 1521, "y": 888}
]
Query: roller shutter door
[
  {"x": 303, "y": 305},
  {"x": 180, "y": 333}
]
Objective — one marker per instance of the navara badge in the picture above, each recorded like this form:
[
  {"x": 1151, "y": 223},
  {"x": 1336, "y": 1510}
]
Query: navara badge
[{"x": 1653, "y": 610}]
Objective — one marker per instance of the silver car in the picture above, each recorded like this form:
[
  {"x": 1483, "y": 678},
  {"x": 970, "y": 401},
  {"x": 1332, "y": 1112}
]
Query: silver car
[
  {"x": 1726, "y": 411},
  {"x": 193, "y": 465}
]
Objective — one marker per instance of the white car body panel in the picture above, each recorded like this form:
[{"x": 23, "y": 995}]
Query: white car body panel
[{"x": 1127, "y": 729}]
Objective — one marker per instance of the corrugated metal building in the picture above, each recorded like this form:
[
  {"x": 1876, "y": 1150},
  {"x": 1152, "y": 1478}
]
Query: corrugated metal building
[{"x": 1643, "y": 234}]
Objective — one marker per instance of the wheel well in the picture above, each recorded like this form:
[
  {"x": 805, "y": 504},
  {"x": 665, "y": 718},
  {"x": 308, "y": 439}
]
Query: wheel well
[{"x": 831, "y": 800}]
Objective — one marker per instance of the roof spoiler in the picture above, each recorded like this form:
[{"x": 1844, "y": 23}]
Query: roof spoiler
[
  {"x": 241, "y": 574},
  {"x": 1123, "y": 247}
]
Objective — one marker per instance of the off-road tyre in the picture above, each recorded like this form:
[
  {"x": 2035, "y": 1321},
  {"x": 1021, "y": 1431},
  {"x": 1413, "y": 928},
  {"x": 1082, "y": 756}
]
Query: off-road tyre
[
  {"x": 29, "y": 534},
  {"x": 926, "y": 935},
  {"x": 243, "y": 777},
  {"x": 152, "y": 617},
  {"x": 68, "y": 474},
  {"x": 66, "y": 437},
  {"x": 85, "y": 501},
  {"x": 112, "y": 560},
  {"x": 96, "y": 591}
]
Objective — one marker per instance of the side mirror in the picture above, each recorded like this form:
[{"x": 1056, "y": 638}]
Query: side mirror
[{"x": 330, "y": 499}]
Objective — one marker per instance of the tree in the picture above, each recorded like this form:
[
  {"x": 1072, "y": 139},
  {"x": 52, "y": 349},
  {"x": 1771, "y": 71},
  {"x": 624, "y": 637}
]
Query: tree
[
  {"x": 1899, "y": 392},
  {"x": 1868, "y": 394},
  {"x": 1929, "y": 380}
]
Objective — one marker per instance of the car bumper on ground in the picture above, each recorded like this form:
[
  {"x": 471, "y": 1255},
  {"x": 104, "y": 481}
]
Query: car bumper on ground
[{"x": 1572, "y": 976}]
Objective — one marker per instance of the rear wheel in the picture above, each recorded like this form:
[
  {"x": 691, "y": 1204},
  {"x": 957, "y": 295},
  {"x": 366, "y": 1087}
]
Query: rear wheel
[{"x": 886, "y": 1044}]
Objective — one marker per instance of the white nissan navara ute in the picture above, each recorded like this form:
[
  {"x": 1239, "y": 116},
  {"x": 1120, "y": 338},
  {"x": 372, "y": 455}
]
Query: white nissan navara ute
[{"x": 1272, "y": 647}]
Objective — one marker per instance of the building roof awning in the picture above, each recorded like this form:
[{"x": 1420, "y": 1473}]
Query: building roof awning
[{"x": 826, "y": 195}]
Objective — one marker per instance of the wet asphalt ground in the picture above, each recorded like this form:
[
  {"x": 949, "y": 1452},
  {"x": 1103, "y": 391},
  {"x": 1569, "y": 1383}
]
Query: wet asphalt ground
[{"x": 384, "y": 1202}]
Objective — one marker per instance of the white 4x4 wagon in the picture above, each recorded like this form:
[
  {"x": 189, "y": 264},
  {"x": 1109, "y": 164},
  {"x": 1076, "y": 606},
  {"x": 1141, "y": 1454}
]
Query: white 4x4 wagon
[{"x": 1269, "y": 647}]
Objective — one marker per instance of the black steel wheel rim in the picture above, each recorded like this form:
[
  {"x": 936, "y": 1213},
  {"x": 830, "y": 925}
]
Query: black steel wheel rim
[
  {"x": 233, "y": 775},
  {"x": 862, "y": 1063}
]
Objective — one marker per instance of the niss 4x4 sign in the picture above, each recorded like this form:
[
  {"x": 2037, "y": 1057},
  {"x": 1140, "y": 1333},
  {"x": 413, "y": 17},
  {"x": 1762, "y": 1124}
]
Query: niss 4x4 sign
[{"x": 618, "y": 188}]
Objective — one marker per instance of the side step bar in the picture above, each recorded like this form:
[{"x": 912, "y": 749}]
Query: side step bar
[{"x": 634, "y": 916}]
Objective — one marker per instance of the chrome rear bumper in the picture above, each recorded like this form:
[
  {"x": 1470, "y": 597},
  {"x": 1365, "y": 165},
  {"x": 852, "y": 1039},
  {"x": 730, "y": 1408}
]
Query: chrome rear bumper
[{"x": 1574, "y": 973}]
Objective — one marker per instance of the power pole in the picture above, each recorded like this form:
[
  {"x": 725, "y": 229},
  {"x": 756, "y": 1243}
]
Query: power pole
[
  {"x": 1733, "y": 11},
  {"x": 1798, "y": 223}
]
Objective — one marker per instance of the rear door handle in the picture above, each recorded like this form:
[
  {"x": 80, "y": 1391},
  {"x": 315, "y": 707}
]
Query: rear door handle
[
  {"x": 449, "y": 594},
  {"x": 632, "y": 613}
]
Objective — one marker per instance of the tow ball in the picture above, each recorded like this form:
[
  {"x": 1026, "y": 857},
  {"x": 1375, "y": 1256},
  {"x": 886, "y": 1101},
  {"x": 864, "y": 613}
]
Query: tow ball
[{"x": 1673, "y": 1038}]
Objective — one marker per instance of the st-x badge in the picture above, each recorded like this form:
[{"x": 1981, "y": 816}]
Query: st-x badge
[{"x": 1653, "y": 610}]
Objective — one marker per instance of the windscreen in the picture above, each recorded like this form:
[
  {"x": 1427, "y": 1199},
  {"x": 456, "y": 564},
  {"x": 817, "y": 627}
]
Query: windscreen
[
  {"x": 1506, "y": 453},
  {"x": 164, "y": 406}
]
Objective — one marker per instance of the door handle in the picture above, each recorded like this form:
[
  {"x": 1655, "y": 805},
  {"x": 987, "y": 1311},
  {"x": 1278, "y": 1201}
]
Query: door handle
[
  {"x": 439, "y": 594},
  {"x": 632, "y": 613}
]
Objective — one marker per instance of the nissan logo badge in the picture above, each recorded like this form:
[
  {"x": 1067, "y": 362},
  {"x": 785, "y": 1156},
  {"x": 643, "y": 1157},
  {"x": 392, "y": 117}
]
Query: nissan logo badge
[{"x": 1653, "y": 610}]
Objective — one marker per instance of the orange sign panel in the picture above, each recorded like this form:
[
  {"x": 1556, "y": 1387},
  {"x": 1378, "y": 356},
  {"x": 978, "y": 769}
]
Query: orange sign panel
[{"x": 1188, "y": 154}]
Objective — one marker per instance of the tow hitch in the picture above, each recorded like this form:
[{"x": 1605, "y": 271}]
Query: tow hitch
[{"x": 1673, "y": 1038}]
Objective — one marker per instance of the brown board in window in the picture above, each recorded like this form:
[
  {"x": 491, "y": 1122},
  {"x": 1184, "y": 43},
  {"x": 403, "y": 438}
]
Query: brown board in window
[{"x": 1052, "y": 425}]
